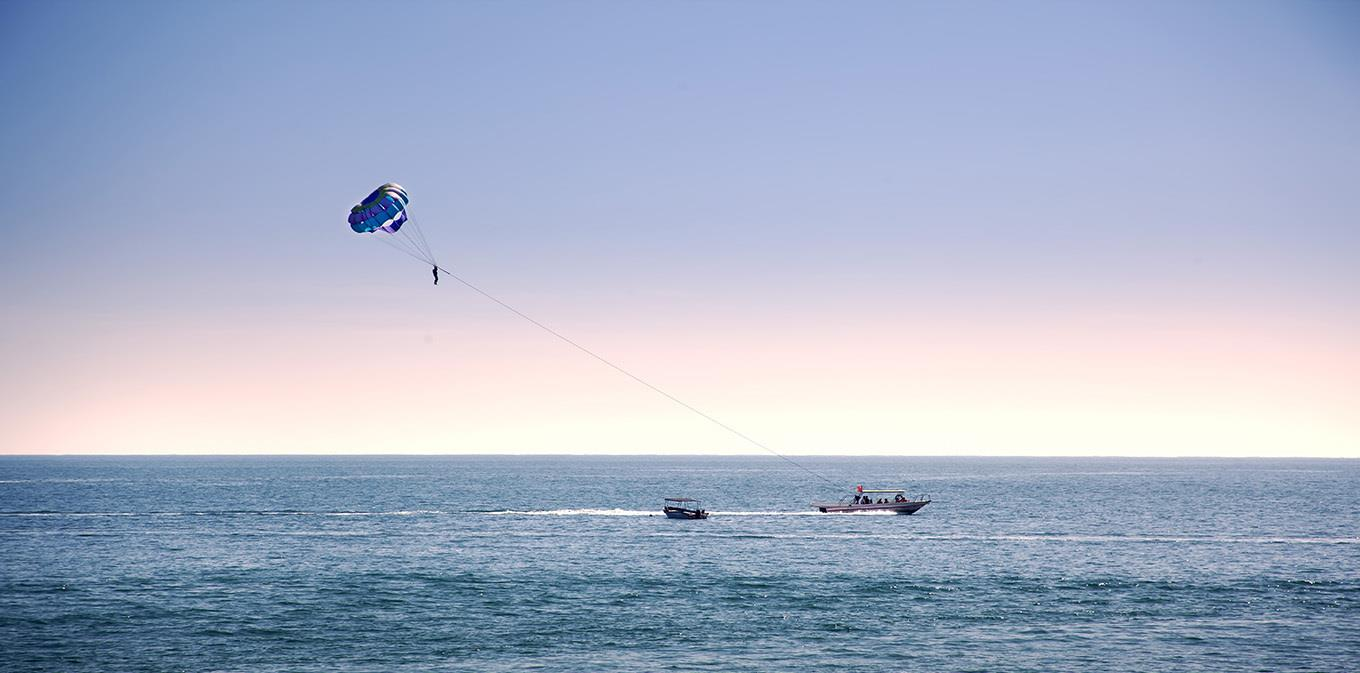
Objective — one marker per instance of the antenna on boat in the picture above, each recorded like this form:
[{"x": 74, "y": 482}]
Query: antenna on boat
[{"x": 635, "y": 377}]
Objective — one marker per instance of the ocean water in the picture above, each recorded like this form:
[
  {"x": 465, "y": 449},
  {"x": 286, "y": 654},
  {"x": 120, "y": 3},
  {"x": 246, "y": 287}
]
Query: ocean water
[{"x": 564, "y": 564}]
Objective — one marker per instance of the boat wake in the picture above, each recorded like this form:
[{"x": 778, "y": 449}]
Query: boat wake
[
  {"x": 657, "y": 512},
  {"x": 807, "y": 512},
  {"x": 416, "y": 512},
  {"x": 574, "y": 512}
]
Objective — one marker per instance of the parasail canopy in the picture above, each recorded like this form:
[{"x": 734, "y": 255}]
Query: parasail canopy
[
  {"x": 384, "y": 209},
  {"x": 383, "y": 214}
]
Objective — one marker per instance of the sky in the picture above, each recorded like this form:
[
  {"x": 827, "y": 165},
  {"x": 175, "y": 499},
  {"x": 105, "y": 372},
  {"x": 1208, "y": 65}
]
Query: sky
[{"x": 896, "y": 228}]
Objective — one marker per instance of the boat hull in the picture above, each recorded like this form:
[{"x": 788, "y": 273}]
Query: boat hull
[
  {"x": 909, "y": 507},
  {"x": 682, "y": 513}
]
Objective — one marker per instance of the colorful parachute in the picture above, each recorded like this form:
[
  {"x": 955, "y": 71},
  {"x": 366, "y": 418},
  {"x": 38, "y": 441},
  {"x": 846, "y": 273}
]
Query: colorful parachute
[
  {"x": 383, "y": 214},
  {"x": 384, "y": 209}
]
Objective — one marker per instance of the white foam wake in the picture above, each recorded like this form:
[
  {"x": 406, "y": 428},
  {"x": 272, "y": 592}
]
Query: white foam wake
[
  {"x": 576, "y": 512},
  {"x": 657, "y": 512}
]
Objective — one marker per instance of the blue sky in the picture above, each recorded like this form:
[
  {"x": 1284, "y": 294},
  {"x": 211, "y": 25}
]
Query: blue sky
[{"x": 928, "y": 186}]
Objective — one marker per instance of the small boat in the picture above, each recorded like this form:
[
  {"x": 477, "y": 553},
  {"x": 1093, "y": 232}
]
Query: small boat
[
  {"x": 683, "y": 508},
  {"x": 864, "y": 501}
]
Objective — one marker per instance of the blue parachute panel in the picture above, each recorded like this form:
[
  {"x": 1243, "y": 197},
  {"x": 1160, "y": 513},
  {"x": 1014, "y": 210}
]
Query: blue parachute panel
[{"x": 384, "y": 209}]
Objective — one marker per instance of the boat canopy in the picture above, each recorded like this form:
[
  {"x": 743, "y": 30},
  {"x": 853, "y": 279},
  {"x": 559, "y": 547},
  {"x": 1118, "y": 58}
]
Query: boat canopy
[
  {"x": 680, "y": 500},
  {"x": 861, "y": 489}
]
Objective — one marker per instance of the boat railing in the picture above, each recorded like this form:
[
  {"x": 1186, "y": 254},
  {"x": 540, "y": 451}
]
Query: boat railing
[{"x": 847, "y": 501}]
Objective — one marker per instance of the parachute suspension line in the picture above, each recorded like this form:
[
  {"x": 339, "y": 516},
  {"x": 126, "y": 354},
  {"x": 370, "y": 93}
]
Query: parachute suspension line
[
  {"x": 399, "y": 246},
  {"x": 418, "y": 240},
  {"x": 403, "y": 244},
  {"x": 407, "y": 243},
  {"x": 420, "y": 234},
  {"x": 633, "y": 376},
  {"x": 405, "y": 238},
  {"x": 415, "y": 244}
]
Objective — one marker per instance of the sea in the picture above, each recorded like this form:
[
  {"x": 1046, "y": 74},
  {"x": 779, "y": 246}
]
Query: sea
[{"x": 539, "y": 563}]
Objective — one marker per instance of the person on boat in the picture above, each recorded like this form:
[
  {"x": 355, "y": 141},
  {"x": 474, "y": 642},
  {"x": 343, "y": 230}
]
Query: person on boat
[
  {"x": 435, "y": 271},
  {"x": 899, "y": 498}
]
